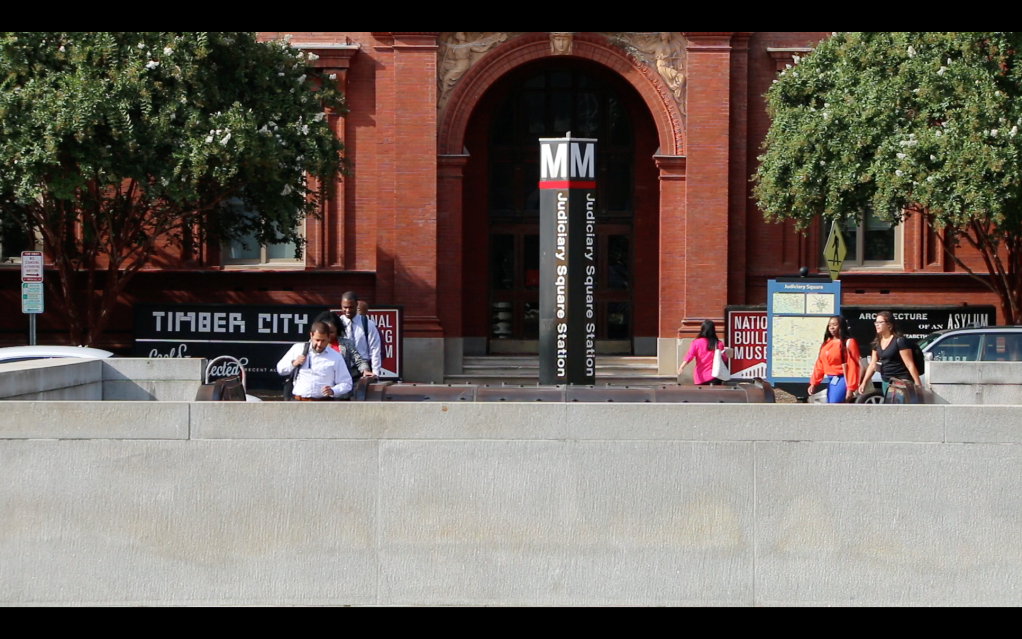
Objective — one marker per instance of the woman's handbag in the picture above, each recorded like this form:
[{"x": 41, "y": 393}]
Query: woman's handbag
[{"x": 720, "y": 370}]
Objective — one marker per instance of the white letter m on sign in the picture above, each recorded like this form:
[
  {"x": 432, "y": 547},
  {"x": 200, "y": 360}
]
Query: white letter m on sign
[
  {"x": 554, "y": 167},
  {"x": 583, "y": 167}
]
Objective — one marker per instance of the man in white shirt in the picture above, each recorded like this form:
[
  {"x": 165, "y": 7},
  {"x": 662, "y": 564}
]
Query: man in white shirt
[
  {"x": 362, "y": 330},
  {"x": 322, "y": 374}
]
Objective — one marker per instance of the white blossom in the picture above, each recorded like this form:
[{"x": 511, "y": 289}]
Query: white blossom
[
  {"x": 941, "y": 71},
  {"x": 902, "y": 156},
  {"x": 287, "y": 190},
  {"x": 993, "y": 133},
  {"x": 938, "y": 134},
  {"x": 332, "y": 76},
  {"x": 226, "y": 139},
  {"x": 153, "y": 64},
  {"x": 141, "y": 45},
  {"x": 933, "y": 158},
  {"x": 61, "y": 49},
  {"x": 301, "y": 78},
  {"x": 911, "y": 52},
  {"x": 1013, "y": 132},
  {"x": 312, "y": 57},
  {"x": 168, "y": 51},
  {"x": 899, "y": 173},
  {"x": 209, "y": 140},
  {"x": 305, "y": 129}
]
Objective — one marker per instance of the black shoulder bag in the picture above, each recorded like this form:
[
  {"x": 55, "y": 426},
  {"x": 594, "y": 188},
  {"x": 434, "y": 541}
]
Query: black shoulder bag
[{"x": 289, "y": 385}]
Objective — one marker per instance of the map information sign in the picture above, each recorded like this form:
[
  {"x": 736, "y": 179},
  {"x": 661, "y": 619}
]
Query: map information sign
[{"x": 797, "y": 314}]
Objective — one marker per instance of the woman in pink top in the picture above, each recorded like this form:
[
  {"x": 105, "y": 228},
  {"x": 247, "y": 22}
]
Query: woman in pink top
[{"x": 701, "y": 351}]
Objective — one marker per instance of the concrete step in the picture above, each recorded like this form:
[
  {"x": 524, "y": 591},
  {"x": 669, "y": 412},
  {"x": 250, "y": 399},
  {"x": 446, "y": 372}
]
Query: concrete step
[
  {"x": 525, "y": 370},
  {"x": 533, "y": 360},
  {"x": 533, "y": 380}
]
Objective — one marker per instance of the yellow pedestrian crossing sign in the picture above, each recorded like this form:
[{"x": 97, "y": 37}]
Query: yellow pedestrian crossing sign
[{"x": 835, "y": 251}]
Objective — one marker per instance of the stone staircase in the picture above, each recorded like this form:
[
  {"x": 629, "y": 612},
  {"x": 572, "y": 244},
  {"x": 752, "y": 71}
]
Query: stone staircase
[{"x": 524, "y": 370}]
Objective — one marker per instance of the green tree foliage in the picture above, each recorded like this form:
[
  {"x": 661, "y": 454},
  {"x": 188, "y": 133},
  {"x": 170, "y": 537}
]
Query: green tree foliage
[
  {"x": 906, "y": 121},
  {"x": 113, "y": 145}
]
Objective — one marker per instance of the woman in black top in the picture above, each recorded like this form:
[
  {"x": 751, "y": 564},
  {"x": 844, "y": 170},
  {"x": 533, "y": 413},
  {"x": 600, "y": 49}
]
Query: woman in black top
[{"x": 892, "y": 354}]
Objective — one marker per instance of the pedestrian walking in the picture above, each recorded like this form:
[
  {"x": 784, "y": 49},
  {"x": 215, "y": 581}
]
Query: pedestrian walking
[
  {"x": 357, "y": 366},
  {"x": 837, "y": 363},
  {"x": 892, "y": 355},
  {"x": 322, "y": 374},
  {"x": 362, "y": 331},
  {"x": 703, "y": 350}
]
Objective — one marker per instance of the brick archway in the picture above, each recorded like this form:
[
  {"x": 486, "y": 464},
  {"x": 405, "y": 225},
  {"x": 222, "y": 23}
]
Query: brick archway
[
  {"x": 466, "y": 95},
  {"x": 454, "y": 123}
]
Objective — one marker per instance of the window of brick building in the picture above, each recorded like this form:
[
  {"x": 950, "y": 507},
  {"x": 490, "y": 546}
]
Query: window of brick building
[
  {"x": 248, "y": 251},
  {"x": 872, "y": 243},
  {"x": 14, "y": 240}
]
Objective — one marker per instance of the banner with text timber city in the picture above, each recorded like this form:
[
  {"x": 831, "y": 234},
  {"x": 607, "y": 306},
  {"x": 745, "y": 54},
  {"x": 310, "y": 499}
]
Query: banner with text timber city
[{"x": 567, "y": 248}]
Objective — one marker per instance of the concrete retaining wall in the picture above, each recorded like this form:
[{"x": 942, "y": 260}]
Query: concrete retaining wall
[
  {"x": 136, "y": 380},
  {"x": 994, "y": 383},
  {"x": 510, "y": 504}
]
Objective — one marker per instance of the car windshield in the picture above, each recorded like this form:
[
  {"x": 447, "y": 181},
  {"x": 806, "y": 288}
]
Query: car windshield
[{"x": 926, "y": 341}]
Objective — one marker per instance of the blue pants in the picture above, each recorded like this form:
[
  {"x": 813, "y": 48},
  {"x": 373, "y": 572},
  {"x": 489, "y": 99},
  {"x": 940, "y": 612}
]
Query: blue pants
[{"x": 836, "y": 389}]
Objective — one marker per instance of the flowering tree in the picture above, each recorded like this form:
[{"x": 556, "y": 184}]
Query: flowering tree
[
  {"x": 906, "y": 121},
  {"x": 116, "y": 144}
]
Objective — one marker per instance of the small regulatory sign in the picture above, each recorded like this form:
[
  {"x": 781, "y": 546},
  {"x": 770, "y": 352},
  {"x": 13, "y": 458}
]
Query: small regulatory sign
[
  {"x": 32, "y": 298},
  {"x": 31, "y": 266}
]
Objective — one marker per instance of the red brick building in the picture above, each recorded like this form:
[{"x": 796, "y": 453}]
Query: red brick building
[{"x": 440, "y": 212}]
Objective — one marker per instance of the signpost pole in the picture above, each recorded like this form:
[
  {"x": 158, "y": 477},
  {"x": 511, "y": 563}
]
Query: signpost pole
[
  {"x": 32, "y": 302},
  {"x": 567, "y": 247}
]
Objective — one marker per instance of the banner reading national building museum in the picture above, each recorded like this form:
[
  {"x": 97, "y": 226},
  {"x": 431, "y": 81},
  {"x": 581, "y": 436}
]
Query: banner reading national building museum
[{"x": 567, "y": 245}]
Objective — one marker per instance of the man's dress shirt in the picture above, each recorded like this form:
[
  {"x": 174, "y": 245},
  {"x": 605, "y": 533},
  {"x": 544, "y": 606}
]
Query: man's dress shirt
[
  {"x": 319, "y": 370},
  {"x": 368, "y": 345}
]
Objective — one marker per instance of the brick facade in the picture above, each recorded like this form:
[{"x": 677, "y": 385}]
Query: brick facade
[{"x": 408, "y": 225}]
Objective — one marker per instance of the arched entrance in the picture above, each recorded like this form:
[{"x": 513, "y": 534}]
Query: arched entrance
[{"x": 549, "y": 98}]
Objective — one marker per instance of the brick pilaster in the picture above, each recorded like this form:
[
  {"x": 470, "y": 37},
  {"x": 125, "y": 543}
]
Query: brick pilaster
[
  {"x": 326, "y": 236},
  {"x": 672, "y": 243},
  {"x": 708, "y": 180},
  {"x": 450, "y": 183},
  {"x": 415, "y": 182}
]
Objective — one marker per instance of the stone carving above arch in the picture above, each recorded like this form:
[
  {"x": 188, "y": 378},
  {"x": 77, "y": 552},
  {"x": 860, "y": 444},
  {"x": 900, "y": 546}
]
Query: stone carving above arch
[
  {"x": 661, "y": 52},
  {"x": 561, "y": 42},
  {"x": 463, "y": 79},
  {"x": 458, "y": 52}
]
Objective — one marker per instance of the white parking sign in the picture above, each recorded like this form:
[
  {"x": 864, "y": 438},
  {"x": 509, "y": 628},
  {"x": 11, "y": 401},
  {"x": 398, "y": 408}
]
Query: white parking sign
[{"x": 31, "y": 266}]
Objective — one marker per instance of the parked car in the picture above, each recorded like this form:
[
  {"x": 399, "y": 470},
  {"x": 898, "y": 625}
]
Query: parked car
[
  {"x": 16, "y": 354},
  {"x": 979, "y": 344}
]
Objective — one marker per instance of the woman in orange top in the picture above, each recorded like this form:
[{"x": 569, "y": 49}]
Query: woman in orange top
[{"x": 839, "y": 359}]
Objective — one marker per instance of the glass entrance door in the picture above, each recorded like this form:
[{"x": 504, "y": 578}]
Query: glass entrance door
[{"x": 562, "y": 98}]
